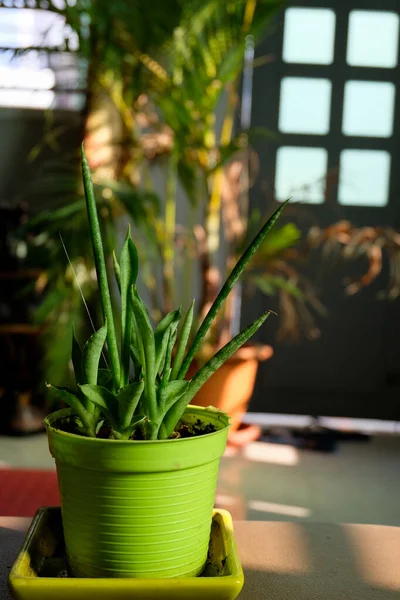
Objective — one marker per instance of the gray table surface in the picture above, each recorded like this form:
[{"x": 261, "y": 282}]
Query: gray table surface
[{"x": 288, "y": 561}]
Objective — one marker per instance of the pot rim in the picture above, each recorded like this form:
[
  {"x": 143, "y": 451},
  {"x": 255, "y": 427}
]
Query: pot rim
[{"x": 67, "y": 412}]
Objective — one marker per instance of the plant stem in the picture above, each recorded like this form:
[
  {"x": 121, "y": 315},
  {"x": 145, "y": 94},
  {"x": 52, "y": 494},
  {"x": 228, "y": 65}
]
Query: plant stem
[
  {"x": 187, "y": 283},
  {"x": 101, "y": 270},
  {"x": 213, "y": 220},
  {"x": 170, "y": 223}
]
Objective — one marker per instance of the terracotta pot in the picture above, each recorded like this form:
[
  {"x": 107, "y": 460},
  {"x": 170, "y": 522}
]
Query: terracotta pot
[{"x": 231, "y": 387}]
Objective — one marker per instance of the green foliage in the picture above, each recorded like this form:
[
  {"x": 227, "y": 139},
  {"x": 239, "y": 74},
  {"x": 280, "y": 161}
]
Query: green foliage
[{"x": 154, "y": 394}]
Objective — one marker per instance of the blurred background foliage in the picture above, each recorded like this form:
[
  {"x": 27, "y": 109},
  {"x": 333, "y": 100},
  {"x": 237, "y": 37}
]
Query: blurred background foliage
[{"x": 170, "y": 149}]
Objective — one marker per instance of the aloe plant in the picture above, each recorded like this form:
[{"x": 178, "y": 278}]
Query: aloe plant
[{"x": 156, "y": 395}]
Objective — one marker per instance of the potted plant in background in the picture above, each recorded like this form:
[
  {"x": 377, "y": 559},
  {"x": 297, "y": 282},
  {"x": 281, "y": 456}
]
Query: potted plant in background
[{"x": 137, "y": 467}]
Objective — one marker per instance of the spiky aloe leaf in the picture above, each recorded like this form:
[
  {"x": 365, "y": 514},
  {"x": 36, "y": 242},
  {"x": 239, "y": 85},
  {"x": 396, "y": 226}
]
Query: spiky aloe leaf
[
  {"x": 182, "y": 342},
  {"x": 225, "y": 290},
  {"x": 176, "y": 411},
  {"x": 128, "y": 398},
  {"x": 76, "y": 356},
  {"x": 129, "y": 265},
  {"x": 161, "y": 336},
  {"x": 91, "y": 355},
  {"x": 101, "y": 271},
  {"x": 148, "y": 353},
  {"x": 70, "y": 398},
  {"x": 105, "y": 400}
]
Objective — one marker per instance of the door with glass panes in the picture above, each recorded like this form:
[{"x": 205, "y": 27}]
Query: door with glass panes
[{"x": 330, "y": 89}]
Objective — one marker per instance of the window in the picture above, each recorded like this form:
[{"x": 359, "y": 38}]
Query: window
[
  {"x": 373, "y": 38},
  {"x": 301, "y": 172},
  {"x": 337, "y": 105},
  {"x": 364, "y": 177},
  {"x": 42, "y": 79},
  {"x": 305, "y": 105},
  {"x": 309, "y": 36},
  {"x": 368, "y": 108}
]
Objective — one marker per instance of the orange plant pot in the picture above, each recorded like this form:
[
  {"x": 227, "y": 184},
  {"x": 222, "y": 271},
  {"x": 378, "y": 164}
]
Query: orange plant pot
[{"x": 230, "y": 388}]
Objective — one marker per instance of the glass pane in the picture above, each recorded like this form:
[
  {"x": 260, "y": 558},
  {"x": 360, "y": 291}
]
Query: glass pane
[
  {"x": 309, "y": 35},
  {"x": 27, "y": 80},
  {"x": 305, "y": 104},
  {"x": 27, "y": 99},
  {"x": 368, "y": 108},
  {"x": 301, "y": 173},
  {"x": 21, "y": 28},
  {"x": 373, "y": 38},
  {"x": 364, "y": 177}
]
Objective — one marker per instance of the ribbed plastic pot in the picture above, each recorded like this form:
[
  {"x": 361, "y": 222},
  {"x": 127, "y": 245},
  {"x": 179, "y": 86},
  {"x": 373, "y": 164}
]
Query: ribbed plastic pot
[{"x": 138, "y": 508}]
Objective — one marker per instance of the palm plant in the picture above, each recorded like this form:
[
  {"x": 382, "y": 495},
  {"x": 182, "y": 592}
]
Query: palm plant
[{"x": 155, "y": 80}]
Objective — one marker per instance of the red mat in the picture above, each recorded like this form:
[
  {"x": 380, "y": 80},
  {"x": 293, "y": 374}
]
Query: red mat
[{"x": 23, "y": 491}]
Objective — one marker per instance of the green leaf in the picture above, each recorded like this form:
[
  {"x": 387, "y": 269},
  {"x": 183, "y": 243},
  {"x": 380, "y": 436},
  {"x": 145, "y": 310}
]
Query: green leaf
[
  {"x": 70, "y": 398},
  {"x": 173, "y": 332},
  {"x": 101, "y": 270},
  {"x": 271, "y": 284},
  {"x": 161, "y": 336},
  {"x": 129, "y": 265},
  {"x": 148, "y": 353},
  {"x": 226, "y": 288},
  {"x": 125, "y": 434},
  {"x": 128, "y": 398},
  {"x": 182, "y": 341},
  {"x": 171, "y": 393},
  {"x": 103, "y": 399},
  {"x": 76, "y": 358},
  {"x": 117, "y": 270},
  {"x": 135, "y": 354},
  {"x": 279, "y": 240},
  {"x": 91, "y": 355},
  {"x": 105, "y": 379}
]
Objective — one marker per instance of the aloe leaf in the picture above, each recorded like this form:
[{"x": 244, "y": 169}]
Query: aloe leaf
[
  {"x": 105, "y": 379},
  {"x": 91, "y": 355},
  {"x": 76, "y": 358},
  {"x": 226, "y": 288},
  {"x": 172, "y": 392},
  {"x": 117, "y": 270},
  {"x": 167, "y": 364},
  {"x": 182, "y": 342},
  {"x": 70, "y": 398},
  {"x": 129, "y": 265},
  {"x": 128, "y": 398},
  {"x": 161, "y": 335},
  {"x": 101, "y": 270},
  {"x": 135, "y": 355},
  {"x": 176, "y": 411},
  {"x": 147, "y": 348},
  {"x": 126, "y": 433},
  {"x": 225, "y": 353},
  {"x": 105, "y": 400}
]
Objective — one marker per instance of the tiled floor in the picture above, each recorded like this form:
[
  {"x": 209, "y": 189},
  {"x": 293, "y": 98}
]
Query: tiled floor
[{"x": 360, "y": 483}]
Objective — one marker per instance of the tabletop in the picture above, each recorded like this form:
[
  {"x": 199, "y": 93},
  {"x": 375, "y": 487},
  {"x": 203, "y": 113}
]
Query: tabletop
[{"x": 288, "y": 561}]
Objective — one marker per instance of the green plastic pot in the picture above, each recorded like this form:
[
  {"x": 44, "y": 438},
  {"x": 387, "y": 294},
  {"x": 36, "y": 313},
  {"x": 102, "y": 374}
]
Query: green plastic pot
[{"x": 138, "y": 508}]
